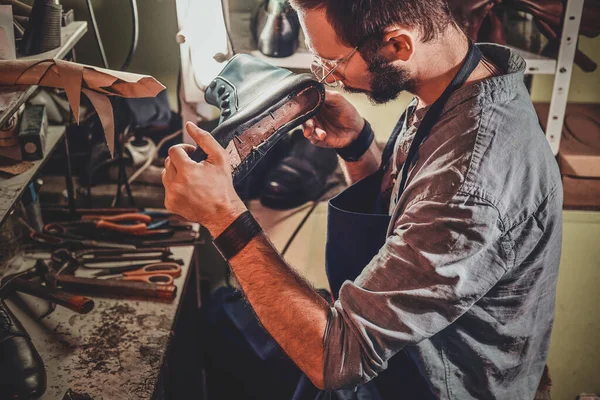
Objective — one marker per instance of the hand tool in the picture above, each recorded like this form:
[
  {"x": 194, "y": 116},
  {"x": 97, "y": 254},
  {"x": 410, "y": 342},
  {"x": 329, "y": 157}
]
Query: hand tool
[
  {"x": 20, "y": 282},
  {"x": 111, "y": 222},
  {"x": 159, "y": 273},
  {"x": 47, "y": 237},
  {"x": 179, "y": 238},
  {"x": 133, "y": 267},
  {"x": 88, "y": 258},
  {"x": 79, "y": 304},
  {"x": 83, "y": 211},
  {"x": 57, "y": 241},
  {"x": 115, "y": 287},
  {"x": 164, "y": 221}
]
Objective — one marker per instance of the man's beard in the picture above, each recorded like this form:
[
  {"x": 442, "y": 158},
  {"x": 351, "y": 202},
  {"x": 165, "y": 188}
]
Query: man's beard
[{"x": 387, "y": 81}]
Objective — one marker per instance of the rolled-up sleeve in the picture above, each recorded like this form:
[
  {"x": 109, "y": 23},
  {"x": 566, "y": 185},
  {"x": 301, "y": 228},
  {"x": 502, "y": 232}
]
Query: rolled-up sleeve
[{"x": 443, "y": 256}]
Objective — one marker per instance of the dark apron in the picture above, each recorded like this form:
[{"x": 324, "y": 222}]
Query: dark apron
[{"x": 356, "y": 231}]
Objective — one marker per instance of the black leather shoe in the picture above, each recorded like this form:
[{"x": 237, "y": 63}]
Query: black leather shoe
[
  {"x": 22, "y": 374},
  {"x": 259, "y": 103},
  {"x": 299, "y": 177}
]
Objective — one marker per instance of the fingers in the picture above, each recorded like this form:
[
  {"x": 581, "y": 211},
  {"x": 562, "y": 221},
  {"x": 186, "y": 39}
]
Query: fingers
[
  {"x": 168, "y": 174},
  {"x": 188, "y": 148},
  {"x": 177, "y": 156},
  {"x": 206, "y": 142},
  {"x": 309, "y": 127},
  {"x": 320, "y": 134},
  {"x": 313, "y": 132}
]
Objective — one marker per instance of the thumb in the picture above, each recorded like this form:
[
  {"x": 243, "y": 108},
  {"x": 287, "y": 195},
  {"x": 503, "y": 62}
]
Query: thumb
[{"x": 206, "y": 142}]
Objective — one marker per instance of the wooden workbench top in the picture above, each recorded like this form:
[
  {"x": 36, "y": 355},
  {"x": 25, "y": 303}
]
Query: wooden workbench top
[{"x": 115, "y": 352}]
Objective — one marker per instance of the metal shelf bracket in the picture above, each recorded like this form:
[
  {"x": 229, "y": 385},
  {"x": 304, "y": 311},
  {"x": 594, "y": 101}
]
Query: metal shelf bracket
[{"x": 564, "y": 69}]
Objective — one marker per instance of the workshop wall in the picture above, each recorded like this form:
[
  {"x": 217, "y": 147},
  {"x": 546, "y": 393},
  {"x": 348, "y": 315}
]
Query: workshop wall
[
  {"x": 158, "y": 53},
  {"x": 584, "y": 86}
]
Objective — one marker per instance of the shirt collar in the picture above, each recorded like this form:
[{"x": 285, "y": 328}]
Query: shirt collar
[{"x": 510, "y": 63}]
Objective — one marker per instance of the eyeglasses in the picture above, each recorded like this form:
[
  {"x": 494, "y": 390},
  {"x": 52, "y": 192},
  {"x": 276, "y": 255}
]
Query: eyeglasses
[{"x": 323, "y": 68}]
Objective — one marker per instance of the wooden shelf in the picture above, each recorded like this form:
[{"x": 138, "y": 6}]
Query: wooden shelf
[
  {"x": 12, "y": 188},
  {"x": 70, "y": 35},
  {"x": 298, "y": 60}
]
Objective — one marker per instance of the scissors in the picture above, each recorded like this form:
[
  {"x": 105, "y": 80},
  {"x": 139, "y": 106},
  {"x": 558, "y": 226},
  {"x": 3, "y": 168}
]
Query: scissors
[{"x": 162, "y": 273}]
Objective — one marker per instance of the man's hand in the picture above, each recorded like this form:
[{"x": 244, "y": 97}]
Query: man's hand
[
  {"x": 337, "y": 124},
  {"x": 293, "y": 313},
  {"x": 201, "y": 192}
]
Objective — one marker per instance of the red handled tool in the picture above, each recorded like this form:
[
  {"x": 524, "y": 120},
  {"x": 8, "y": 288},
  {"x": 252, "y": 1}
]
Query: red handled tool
[{"x": 162, "y": 273}]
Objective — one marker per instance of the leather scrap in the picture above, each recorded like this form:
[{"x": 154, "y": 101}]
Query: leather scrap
[
  {"x": 14, "y": 167},
  {"x": 96, "y": 83}
]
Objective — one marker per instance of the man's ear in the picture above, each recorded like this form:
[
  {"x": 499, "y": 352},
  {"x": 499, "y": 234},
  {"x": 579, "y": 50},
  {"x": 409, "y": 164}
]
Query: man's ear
[{"x": 398, "y": 45}]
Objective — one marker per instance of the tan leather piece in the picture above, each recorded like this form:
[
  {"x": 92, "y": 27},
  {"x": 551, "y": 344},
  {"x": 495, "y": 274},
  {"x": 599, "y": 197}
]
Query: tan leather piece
[{"x": 74, "y": 78}]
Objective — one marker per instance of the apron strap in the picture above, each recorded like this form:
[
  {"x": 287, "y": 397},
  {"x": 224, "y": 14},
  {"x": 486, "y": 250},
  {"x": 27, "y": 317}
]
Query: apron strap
[{"x": 388, "y": 150}]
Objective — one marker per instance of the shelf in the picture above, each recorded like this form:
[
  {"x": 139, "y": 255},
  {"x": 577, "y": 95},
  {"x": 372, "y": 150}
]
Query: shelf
[
  {"x": 537, "y": 64},
  {"x": 70, "y": 35},
  {"x": 298, "y": 60},
  {"x": 12, "y": 188}
]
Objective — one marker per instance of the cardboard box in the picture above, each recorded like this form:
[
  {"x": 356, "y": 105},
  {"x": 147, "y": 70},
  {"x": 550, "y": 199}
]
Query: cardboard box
[{"x": 579, "y": 154}]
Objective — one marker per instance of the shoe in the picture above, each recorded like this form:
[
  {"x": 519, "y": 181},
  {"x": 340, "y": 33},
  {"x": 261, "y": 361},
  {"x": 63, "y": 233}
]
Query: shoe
[
  {"x": 300, "y": 177},
  {"x": 22, "y": 374},
  {"x": 259, "y": 104}
]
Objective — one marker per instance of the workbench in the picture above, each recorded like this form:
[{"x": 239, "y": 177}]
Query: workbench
[{"x": 116, "y": 351}]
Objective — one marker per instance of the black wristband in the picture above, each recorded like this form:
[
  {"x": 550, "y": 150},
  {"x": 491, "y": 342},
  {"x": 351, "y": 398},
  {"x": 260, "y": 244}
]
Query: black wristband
[
  {"x": 237, "y": 235},
  {"x": 355, "y": 150}
]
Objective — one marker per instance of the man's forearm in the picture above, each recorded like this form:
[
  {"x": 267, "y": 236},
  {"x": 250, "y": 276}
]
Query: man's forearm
[
  {"x": 365, "y": 166},
  {"x": 286, "y": 305}
]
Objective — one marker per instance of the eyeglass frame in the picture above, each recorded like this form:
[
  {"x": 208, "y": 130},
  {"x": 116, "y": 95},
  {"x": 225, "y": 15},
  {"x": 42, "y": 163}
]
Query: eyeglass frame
[{"x": 321, "y": 62}]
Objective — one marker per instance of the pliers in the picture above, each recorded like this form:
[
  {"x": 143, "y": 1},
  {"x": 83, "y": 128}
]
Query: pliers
[{"x": 103, "y": 222}]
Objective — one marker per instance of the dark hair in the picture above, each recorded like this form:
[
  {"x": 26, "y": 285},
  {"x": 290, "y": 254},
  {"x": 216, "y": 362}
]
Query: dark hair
[{"x": 358, "y": 20}]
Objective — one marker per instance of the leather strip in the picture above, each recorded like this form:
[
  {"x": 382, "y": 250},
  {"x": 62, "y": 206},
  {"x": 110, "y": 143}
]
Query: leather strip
[
  {"x": 355, "y": 150},
  {"x": 237, "y": 235}
]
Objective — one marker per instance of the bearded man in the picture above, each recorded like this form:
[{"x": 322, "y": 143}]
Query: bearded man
[{"x": 442, "y": 255}]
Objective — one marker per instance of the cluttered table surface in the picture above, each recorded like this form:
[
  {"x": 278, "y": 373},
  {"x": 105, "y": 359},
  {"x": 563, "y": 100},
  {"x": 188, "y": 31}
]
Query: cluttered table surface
[{"x": 113, "y": 352}]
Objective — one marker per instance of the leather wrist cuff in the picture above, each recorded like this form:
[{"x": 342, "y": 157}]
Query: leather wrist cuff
[
  {"x": 355, "y": 150},
  {"x": 237, "y": 235}
]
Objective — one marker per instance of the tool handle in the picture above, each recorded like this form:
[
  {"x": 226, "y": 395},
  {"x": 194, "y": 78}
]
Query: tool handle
[
  {"x": 158, "y": 279},
  {"x": 116, "y": 287},
  {"x": 53, "y": 228},
  {"x": 198, "y": 155},
  {"x": 135, "y": 217},
  {"x": 137, "y": 229},
  {"x": 79, "y": 304},
  {"x": 46, "y": 239},
  {"x": 162, "y": 268}
]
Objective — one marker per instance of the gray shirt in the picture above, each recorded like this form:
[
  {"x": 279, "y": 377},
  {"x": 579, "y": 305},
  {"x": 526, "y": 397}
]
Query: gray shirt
[{"x": 465, "y": 282}]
